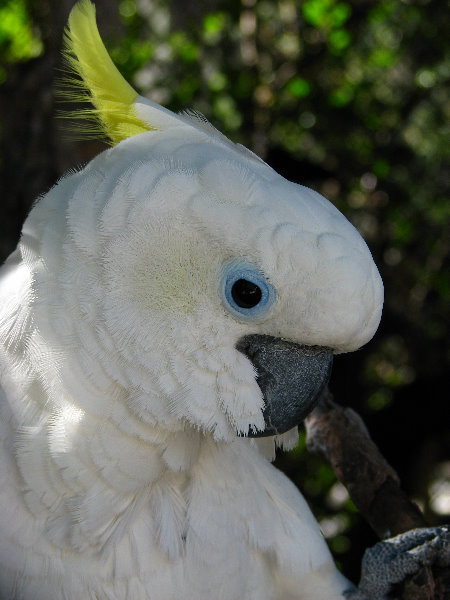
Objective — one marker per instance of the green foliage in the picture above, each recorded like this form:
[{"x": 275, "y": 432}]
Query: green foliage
[
  {"x": 326, "y": 13},
  {"x": 298, "y": 87},
  {"x": 18, "y": 40}
]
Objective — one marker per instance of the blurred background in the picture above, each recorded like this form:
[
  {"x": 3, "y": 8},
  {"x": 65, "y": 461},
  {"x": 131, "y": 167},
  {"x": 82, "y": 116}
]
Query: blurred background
[{"x": 348, "y": 97}]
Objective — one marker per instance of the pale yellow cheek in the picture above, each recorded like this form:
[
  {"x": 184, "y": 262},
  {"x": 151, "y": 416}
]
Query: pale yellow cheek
[{"x": 174, "y": 275}]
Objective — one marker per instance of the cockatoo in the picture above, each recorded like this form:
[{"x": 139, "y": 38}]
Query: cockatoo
[{"x": 168, "y": 318}]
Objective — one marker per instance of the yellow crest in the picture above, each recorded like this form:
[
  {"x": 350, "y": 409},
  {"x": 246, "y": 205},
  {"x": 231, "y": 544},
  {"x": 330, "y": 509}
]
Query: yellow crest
[{"x": 94, "y": 78}]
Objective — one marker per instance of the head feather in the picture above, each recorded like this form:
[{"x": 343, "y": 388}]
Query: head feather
[{"x": 93, "y": 77}]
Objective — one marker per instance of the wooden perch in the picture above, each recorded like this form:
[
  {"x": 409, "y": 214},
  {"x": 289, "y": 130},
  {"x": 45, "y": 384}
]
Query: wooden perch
[{"x": 339, "y": 435}]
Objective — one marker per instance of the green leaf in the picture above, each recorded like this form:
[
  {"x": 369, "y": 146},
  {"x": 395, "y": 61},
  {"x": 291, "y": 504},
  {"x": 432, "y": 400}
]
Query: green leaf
[
  {"x": 381, "y": 167},
  {"x": 299, "y": 87},
  {"x": 17, "y": 37},
  {"x": 341, "y": 97},
  {"x": 316, "y": 12},
  {"x": 339, "y": 40}
]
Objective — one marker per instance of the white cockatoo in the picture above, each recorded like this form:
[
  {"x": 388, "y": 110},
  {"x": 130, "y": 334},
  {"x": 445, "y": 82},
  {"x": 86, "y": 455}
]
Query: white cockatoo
[{"x": 167, "y": 319}]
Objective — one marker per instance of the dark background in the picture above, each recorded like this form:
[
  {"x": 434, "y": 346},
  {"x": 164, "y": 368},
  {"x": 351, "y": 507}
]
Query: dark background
[{"x": 346, "y": 97}]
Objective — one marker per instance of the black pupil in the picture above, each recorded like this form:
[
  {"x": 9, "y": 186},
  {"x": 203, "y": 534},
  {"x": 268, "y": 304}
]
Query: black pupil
[{"x": 245, "y": 293}]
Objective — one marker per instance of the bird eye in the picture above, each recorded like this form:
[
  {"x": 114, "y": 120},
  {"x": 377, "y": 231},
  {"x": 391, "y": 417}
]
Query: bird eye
[{"x": 246, "y": 292}]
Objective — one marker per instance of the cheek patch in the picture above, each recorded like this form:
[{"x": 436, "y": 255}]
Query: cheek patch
[{"x": 163, "y": 271}]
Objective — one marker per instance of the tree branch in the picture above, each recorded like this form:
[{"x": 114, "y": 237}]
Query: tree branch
[{"x": 339, "y": 435}]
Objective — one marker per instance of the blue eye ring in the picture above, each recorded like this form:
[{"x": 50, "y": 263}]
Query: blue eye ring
[{"x": 246, "y": 293}]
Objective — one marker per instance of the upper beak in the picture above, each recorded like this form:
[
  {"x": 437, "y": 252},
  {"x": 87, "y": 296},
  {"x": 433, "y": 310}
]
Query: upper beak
[{"x": 291, "y": 378}]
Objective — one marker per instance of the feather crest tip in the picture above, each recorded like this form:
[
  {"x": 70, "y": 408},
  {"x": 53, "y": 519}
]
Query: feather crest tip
[{"x": 94, "y": 78}]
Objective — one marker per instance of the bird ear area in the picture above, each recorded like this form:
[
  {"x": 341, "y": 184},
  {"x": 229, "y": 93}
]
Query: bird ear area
[{"x": 114, "y": 110}]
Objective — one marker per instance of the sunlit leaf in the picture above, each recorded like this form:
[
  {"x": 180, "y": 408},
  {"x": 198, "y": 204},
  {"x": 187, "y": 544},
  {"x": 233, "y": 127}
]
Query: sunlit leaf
[{"x": 18, "y": 41}]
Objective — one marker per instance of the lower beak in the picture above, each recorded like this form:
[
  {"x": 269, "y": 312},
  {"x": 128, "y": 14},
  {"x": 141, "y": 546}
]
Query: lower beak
[{"x": 291, "y": 378}]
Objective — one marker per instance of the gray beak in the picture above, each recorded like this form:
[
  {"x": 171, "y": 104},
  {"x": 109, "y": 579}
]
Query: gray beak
[{"x": 291, "y": 378}]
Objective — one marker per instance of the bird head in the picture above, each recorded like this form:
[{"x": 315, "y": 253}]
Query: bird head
[{"x": 206, "y": 287}]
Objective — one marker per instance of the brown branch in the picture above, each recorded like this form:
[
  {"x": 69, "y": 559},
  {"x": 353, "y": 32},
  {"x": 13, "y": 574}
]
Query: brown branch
[{"x": 339, "y": 435}]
